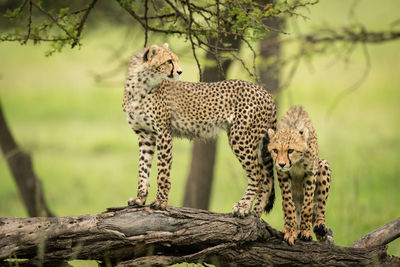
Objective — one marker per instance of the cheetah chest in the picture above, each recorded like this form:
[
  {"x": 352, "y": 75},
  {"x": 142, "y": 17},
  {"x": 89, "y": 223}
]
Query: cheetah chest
[
  {"x": 297, "y": 179},
  {"x": 140, "y": 114}
]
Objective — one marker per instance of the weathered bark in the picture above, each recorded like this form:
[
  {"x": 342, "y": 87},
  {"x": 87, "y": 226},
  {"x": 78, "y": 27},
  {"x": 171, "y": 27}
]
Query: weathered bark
[
  {"x": 201, "y": 174},
  {"x": 144, "y": 237},
  {"x": 20, "y": 163}
]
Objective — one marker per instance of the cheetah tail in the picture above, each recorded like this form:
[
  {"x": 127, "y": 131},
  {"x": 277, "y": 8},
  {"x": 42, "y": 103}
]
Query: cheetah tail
[
  {"x": 268, "y": 172},
  {"x": 271, "y": 201}
]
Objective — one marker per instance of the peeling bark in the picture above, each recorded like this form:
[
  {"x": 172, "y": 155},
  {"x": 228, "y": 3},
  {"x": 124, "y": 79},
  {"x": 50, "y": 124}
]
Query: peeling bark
[{"x": 142, "y": 237}]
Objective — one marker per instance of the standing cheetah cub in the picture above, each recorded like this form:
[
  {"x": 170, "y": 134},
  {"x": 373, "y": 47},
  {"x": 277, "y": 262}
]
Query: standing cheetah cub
[
  {"x": 303, "y": 177},
  {"x": 158, "y": 107}
]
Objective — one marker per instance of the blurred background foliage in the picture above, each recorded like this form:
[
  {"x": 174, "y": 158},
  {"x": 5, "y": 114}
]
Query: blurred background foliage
[{"x": 66, "y": 110}]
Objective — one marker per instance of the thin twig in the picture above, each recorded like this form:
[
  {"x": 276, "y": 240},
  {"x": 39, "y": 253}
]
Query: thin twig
[
  {"x": 20, "y": 38},
  {"x": 140, "y": 20},
  {"x": 350, "y": 35},
  {"x": 217, "y": 41},
  {"x": 243, "y": 64},
  {"x": 178, "y": 13},
  {"x": 356, "y": 85},
  {"x": 254, "y": 60},
  {"x": 21, "y": 7},
  {"x": 269, "y": 28},
  {"x": 55, "y": 21},
  {"x": 29, "y": 22},
  {"x": 146, "y": 28},
  {"x": 163, "y": 16},
  {"x": 291, "y": 74},
  {"x": 82, "y": 22},
  {"x": 352, "y": 11},
  {"x": 192, "y": 43}
]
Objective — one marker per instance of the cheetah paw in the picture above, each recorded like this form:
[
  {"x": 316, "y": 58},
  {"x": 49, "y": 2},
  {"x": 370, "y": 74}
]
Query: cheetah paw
[
  {"x": 241, "y": 209},
  {"x": 159, "y": 204},
  {"x": 138, "y": 201},
  {"x": 289, "y": 235},
  {"x": 320, "y": 229},
  {"x": 305, "y": 235},
  {"x": 324, "y": 233}
]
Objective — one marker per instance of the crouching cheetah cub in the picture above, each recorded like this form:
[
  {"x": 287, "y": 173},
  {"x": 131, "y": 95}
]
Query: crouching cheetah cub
[
  {"x": 303, "y": 177},
  {"x": 158, "y": 107}
]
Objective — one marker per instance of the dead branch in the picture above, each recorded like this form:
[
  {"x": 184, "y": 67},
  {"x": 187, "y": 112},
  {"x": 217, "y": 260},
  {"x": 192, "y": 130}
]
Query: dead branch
[
  {"x": 141, "y": 236},
  {"x": 381, "y": 236},
  {"x": 351, "y": 36},
  {"x": 83, "y": 21},
  {"x": 20, "y": 164}
]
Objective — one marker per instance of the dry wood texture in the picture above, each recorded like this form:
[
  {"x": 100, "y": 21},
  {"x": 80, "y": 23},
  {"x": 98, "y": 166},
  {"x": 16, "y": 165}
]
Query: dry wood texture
[
  {"x": 381, "y": 236},
  {"x": 142, "y": 237}
]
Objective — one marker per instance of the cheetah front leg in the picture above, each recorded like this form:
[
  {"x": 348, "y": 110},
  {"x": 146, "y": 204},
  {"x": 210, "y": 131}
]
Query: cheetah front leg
[
  {"x": 164, "y": 161},
  {"x": 289, "y": 209},
  {"x": 322, "y": 232},
  {"x": 307, "y": 207},
  {"x": 146, "y": 152}
]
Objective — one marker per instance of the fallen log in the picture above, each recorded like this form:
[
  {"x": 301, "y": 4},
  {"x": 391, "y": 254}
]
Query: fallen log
[{"x": 131, "y": 236}]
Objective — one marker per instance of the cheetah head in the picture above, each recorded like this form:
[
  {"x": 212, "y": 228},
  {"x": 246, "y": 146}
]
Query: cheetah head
[
  {"x": 161, "y": 64},
  {"x": 287, "y": 147}
]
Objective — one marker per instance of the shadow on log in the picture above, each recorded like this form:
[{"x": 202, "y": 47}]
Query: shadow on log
[{"x": 143, "y": 237}]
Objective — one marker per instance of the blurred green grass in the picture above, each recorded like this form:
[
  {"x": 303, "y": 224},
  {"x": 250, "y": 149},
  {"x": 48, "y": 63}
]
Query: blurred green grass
[{"x": 86, "y": 154}]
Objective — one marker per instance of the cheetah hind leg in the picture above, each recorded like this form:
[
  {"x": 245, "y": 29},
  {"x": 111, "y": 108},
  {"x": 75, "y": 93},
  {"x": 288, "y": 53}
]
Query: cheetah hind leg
[
  {"x": 322, "y": 232},
  {"x": 245, "y": 150},
  {"x": 242, "y": 208},
  {"x": 266, "y": 195}
]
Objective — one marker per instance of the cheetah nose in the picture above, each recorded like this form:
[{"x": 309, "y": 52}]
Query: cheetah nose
[
  {"x": 179, "y": 72},
  {"x": 282, "y": 165}
]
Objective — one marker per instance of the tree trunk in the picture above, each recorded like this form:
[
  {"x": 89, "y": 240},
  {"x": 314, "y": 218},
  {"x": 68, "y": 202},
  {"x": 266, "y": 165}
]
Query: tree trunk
[
  {"x": 270, "y": 53},
  {"x": 20, "y": 163},
  {"x": 201, "y": 174},
  {"x": 145, "y": 237},
  {"x": 199, "y": 181}
]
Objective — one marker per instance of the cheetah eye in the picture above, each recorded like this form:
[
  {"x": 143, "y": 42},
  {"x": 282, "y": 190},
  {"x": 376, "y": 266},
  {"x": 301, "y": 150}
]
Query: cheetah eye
[
  {"x": 169, "y": 61},
  {"x": 275, "y": 150},
  {"x": 290, "y": 151}
]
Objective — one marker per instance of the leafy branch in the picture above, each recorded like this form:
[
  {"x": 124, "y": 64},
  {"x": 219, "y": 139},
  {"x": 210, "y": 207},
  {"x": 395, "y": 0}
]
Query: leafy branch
[
  {"x": 59, "y": 28},
  {"x": 203, "y": 23},
  {"x": 206, "y": 25}
]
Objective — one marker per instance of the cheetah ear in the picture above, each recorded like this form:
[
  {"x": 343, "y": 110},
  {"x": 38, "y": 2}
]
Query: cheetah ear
[
  {"x": 149, "y": 53},
  {"x": 271, "y": 133},
  {"x": 165, "y": 45},
  {"x": 304, "y": 133}
]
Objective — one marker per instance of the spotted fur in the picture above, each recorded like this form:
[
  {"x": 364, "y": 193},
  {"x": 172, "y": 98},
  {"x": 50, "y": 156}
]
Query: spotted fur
[
  {"x": 158, "y": 108},
  {"x": 303, "y": 177}
]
